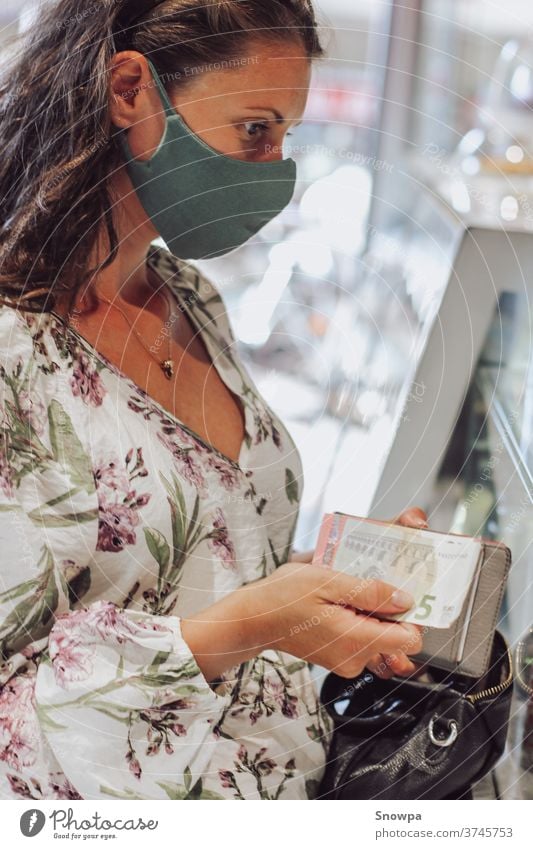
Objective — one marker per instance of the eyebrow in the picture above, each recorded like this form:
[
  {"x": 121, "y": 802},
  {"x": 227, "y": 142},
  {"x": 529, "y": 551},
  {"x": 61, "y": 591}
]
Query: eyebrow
[{"x": 279, "y": 117}]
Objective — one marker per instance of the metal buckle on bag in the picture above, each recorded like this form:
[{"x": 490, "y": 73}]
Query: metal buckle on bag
[{"x": 438, "y": 741}]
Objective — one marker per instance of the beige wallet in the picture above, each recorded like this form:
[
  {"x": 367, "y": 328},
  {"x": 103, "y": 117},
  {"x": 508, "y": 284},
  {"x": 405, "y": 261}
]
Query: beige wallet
[{"x": 466, "y": 646}]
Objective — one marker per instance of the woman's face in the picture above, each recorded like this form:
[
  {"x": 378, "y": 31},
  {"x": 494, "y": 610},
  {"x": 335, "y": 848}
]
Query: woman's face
[{"x": 244, "y": 111}]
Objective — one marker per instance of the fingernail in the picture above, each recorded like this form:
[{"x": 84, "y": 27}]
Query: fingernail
[{"x": 402, "y": 599}]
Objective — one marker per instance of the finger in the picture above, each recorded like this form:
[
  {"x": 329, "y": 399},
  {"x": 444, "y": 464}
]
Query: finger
[
  {"x": 386, "y": 637},
  {"x": 387, "y": 665},
  {"x": 368, "y": 595},
  {"x": 399, "y": 663},
  {"x": 412, "y": 517},
  {"x": 379, "y": 666}
]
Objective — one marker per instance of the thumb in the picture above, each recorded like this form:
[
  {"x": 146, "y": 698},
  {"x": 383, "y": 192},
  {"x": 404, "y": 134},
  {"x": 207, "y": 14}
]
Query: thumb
[{"x": 368, "y": 595}]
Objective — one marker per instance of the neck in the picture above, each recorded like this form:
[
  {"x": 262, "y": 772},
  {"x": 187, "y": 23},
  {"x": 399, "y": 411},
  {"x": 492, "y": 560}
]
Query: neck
[{"x": 125, "y": 281}]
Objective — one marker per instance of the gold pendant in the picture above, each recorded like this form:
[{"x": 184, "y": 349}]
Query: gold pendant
[{"x": 168, "y": 368}]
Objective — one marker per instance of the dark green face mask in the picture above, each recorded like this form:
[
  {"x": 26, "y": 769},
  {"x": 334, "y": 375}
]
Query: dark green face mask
[{"x": 202, "y": 202}]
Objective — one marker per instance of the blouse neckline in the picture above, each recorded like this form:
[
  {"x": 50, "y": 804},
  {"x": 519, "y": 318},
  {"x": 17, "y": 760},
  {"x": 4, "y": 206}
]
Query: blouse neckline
[{"x": 189, "y": 309}]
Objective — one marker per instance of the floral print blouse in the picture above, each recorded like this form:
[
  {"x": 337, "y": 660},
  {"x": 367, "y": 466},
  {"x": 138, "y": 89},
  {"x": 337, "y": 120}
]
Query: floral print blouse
[{"x": 116, "y": 519}]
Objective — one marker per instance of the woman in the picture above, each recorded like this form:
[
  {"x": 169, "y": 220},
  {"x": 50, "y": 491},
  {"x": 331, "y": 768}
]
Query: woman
[{"x": 153, "y": 610}]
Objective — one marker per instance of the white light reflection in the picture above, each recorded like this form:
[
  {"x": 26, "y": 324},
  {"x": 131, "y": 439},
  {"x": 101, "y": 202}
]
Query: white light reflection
[
  {"x": 459, "y": 196},
  {"x": 340, "y": 203},
  {"x": 514, "y": 153},
  {"x": 509, "y": 208},
  {"x": 258, "y": 303}
]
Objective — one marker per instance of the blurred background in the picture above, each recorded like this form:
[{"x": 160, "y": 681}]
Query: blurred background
[{"x": 386, "y": 314}]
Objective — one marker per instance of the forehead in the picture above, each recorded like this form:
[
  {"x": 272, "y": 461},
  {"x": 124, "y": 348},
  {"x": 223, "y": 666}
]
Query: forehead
[{"x": 269, "y": 73}]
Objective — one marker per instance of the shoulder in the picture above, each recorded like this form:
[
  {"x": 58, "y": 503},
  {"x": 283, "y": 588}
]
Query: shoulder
[
  {"x": 44, "y": 385},
  {"x": 15, "y": 335},
  {"x": 17, "y": 347},
  {"x": 27, "y": 349},
  {"x": 49, "y": 511}
]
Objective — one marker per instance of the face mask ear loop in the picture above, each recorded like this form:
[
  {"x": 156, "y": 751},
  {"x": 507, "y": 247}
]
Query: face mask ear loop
[
  {"x": 169, "y": 109},
  {"x": 167, "y": 106}
]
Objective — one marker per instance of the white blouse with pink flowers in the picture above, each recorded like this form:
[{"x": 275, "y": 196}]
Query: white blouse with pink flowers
[{"x": 116, "y": 519}]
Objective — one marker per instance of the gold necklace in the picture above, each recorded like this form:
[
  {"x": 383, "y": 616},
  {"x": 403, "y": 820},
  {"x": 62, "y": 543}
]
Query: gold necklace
[{"x": 167, "y": 366}]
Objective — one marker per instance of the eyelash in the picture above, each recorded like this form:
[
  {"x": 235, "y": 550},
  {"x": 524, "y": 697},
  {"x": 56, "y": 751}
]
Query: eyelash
[{"x": 264, "y": 127}]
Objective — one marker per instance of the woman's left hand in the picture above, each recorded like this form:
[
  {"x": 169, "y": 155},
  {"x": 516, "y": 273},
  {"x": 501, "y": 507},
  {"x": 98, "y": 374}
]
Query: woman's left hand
[{"x": 385, "y": 666}]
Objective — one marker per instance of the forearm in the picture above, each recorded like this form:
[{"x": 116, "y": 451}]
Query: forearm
[{"x": 225, "y": 634}]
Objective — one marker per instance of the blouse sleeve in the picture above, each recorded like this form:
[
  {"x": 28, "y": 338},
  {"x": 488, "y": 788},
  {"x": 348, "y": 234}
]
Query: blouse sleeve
[{"x": 113, "y": 697}]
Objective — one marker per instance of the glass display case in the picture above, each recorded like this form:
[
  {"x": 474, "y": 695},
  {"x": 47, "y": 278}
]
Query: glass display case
[{"x": 493, "y": 466}]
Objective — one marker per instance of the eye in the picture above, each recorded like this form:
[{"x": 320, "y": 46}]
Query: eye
[{"x": 251, "y": 128}]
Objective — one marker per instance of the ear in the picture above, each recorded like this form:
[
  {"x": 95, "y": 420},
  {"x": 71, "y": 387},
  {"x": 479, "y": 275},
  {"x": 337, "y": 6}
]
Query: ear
[{"x": 131, "y": 89}]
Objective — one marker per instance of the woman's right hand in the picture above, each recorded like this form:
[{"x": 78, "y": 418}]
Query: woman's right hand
[
  {"x": 325, "y": 617},
  {"x": 320, "y": 615}
]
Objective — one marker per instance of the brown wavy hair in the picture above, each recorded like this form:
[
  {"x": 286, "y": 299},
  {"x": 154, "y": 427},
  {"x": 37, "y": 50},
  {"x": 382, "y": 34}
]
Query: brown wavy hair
[{"x": 58, "y": 149}]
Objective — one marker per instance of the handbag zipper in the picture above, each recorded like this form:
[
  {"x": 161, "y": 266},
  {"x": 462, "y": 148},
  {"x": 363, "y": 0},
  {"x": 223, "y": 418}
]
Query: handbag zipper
[{"x": 498, "y": 688}]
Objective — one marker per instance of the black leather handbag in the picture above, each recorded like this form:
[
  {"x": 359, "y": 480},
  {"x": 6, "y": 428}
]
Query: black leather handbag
[{"x": 426, "y": 738}]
